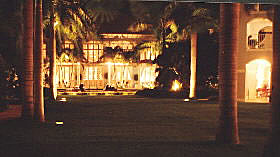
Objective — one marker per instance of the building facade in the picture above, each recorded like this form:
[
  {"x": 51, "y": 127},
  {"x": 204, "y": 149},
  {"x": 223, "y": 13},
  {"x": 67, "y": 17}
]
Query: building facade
[
  {"x": 97, "y": 70},
  {"x": 255, "y": 53}
]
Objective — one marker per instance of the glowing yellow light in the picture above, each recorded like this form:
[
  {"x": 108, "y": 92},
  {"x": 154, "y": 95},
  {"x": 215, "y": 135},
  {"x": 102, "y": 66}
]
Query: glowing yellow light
[
  {"x": 63, "y": 99},
  {"x": 59, "y": 123},
  {"x": 66, "y": 57},
  {"x": 55, "y": 23},
  {"x": 186, "y": 99},
  {"x": 261, "y": 71},
  {"x": 176, "y": 85},
  {"x": 211, "y": 30},
  {"x": 110, "y": 63},
  {"x": 202, "y": 99},
  {"x": 262, "y": 78}
]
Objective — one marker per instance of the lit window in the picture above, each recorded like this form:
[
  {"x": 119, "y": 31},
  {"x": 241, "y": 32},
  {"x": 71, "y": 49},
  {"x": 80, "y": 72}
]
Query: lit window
[
  {"x": 90, "y": 55},
  {"x": 68, "y": 45},
  {"x": 90, "y": 73},
  {"x": 85, "y": 74},
  {"x": 44, "y": 51},
  {"x": 93, "y": 50},
  {"x": 153, "y": 55},
  {"x": 66, "y": 73},
  {"x": 259, "y": 34}
]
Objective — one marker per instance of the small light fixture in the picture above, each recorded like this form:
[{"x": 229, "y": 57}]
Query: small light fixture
[
  {"x": 202, "y": 99},
  {"x": 176, "y": 85},
  {"x": 211, "y": 30},
  {"x": 63, "y": 99},
  {"x": 59, "y": 123},
  {"x": 186, "y": 100}
]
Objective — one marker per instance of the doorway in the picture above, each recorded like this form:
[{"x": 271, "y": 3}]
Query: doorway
[{"x": 257, "y": 81}]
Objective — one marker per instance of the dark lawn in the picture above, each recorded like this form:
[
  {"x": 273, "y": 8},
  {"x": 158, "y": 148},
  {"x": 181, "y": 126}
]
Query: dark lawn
[{"x": 129, "y": 126}]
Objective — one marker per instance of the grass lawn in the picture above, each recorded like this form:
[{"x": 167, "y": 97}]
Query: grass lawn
[{"x": 129, "y": 126}]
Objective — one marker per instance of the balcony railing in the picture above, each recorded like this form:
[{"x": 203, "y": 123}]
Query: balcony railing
[{"x": 263, "y": 40}]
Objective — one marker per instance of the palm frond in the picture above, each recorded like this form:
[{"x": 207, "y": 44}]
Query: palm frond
[
  {"x": 140, "y": 27},
  {"x": 203, "y": 12}
]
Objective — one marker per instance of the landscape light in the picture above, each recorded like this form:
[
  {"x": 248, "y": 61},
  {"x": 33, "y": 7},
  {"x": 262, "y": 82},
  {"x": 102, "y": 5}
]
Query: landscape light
[
  {"x": 176, "y": 85},
  {"x": 186, "y": 99},
  {"x": 63, "y": 99},
  {"x": 55, "y": 23},
  {"x": 59, "y": 123}
]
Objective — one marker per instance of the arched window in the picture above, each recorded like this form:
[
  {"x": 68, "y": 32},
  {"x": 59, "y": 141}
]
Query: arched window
[{"x": 259, "y": 34}]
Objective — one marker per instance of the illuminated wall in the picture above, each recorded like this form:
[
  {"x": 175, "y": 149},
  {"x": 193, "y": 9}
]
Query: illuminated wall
[
  {"x": 92, "y": 76},
  {"x": 125, "y": 45},
  {"x": 150, "y": 53},
  {"x": 93, "y": 50},
  {"x": 254, "y": 56},
  {"x": 68, "y": 75},
  {"x": 96, "y": 73},
  {"x": 147, "y": 75},
  {"x": 44, "y": 51}
]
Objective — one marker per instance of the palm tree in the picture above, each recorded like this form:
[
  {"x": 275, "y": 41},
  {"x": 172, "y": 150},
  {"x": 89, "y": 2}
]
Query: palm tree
[
  {"x": 193, "y": 55},
  {"x": 153, "y": 17},
  {"x": 67, "y": 21},
  {"x": 38, "y": 66},
  {"x": 11, "y": 30},
  {"x": 11, "y": 40},
  {"x": 229, "y": 36},
  {"x": 272, "y": 147},
  {"x": 156, "y": 17},
  {"x": 28, "y": 103},
  {"x": 52, "y": 53},
  {"x": 192, "y": 19},
  {"x": 189, "y": 18},
  {"x": 104, "y": 11}
]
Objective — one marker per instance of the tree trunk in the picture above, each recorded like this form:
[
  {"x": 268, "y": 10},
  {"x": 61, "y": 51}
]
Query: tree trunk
[
  {"x": 272, "y": 148},
  {"x": 163, "y": 35},
  {"x": 193, "y": 65},
  {"x": 38, "y": 66},
  {"x": 28, "y": 106},
  {"x": 19, "y": 46},
  {"x": 52, "y": 53},
  {"x": 229, "y": 36}
]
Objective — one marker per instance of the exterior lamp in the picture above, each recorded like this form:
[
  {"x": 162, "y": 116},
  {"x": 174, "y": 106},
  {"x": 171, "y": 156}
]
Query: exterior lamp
[
  {"x": 211, "y": 30},
  {"x": 176, "y": 85},
  {"x": 59, "y": 123},
  {"x": 186, "y": 100},
  {"x": 63, "y": 99}
]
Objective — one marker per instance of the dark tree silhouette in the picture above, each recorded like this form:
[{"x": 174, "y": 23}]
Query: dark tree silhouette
[
  {"x": 38, "y": 66},
  {"x": 28, "y": 103},
  {"x": 272, "y": 148},
  {"x": 229, "y": 37}
]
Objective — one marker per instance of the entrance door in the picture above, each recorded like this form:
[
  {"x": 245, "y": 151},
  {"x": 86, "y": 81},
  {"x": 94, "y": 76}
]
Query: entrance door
[{"x": 257, "y": 81}]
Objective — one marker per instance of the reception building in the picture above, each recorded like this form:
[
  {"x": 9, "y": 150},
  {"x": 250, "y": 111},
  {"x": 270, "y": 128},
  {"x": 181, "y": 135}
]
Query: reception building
[
  {"x": 255, "y": 53},
  {"x": 97, "y": 70}
]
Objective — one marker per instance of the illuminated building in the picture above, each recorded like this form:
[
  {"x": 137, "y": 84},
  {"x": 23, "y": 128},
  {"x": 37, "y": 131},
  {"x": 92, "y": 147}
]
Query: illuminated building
[
  {"x": 96, "y": 72},
  {"x": 255, "y": 53}
]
